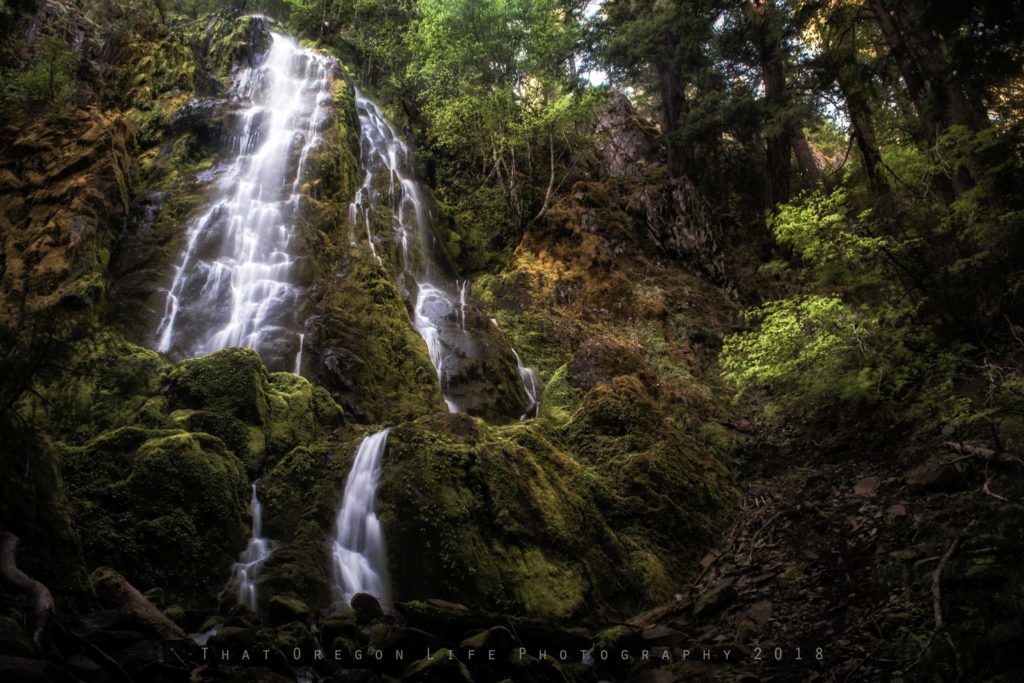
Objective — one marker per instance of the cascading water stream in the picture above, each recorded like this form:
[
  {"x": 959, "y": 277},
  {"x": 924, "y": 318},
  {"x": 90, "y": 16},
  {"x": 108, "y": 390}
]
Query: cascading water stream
[
  {"x": 234, "y": 284},
  {"x": 531, "y": 382},
  {"x": 255, "y": 554},
  {"x": 439, "y": 303},
  {"x": 360, "y": 557},
  {"x": 438, "y": 315}
]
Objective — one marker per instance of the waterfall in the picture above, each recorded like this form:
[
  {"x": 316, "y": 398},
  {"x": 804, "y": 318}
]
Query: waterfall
[
  {"x": 255, "y": 554},
  {"x": 383, "y": 154},
  {"x": 531, "y": 383},
  {"x": 298, "y": 356},
  {"x": 233, "y": 285},
  {"x": 360, "y": 558},
  {"x": 463, "y": 295},
  {"x": 439, "y": 302}
]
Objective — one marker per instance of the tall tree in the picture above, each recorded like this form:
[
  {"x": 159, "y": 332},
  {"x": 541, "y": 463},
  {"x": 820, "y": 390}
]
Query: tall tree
[{"x": 664, "y": 46}]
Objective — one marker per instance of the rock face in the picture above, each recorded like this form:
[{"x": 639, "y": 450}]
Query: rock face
[
  {"x": 625, "y": 140},
  {"x": 63, "y": 194},
  {"x": 502, "y": 516}
]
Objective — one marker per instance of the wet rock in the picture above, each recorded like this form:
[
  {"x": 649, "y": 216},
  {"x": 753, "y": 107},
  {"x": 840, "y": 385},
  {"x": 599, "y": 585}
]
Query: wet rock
[
  {"x": 341, "y": 624},
  {"x": 233, "y": 638},
  {"x": 283, "y": 609},
  {"x": 661, "y": 635},
  {"x": 367, "y": 608},
  {"x": 498, "y": 638},
  {"x": 202, "y": 116},
  {"x": 441, "y": 667},
  {"x": 867, "y": 486},
  {"x": 258, "y": 42},
  {"x": 935, "y": 477},
  {"x": 481, "y": 375}
]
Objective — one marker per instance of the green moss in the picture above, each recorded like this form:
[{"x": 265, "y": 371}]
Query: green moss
[
  {"x": 163, "y": 506},
  {"x": 298, "y": 412},
  {"x": 260, "y": 416},
  {"x": 376, "y": 361},
  {"x": 501, "y": 517},
  {"x": 556, "y": 590},
  {"x": 301, "y": 495},
  {"x": 613, "y": 418},
  {"x": 560, "y": 398},
  {"x": 105, "y": 383}
]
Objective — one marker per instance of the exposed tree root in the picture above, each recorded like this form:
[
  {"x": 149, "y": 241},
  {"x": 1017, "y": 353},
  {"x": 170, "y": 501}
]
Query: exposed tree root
[{"x": 42, "y": 600}]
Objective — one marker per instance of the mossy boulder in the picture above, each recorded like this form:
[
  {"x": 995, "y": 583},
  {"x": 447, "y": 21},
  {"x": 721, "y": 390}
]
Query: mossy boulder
[
  {"x": 258, "y": 415},
  {"x": 364, "y": 349},
  {"x": 441, "y": 667},
  {"x": 501, "y": 516},
  {"x": 164, "y": 506}
]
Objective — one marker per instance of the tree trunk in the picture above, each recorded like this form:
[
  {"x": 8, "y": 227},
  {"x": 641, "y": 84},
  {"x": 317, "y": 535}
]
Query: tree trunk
[
  {"x": 779, "y": 144},
  {"x": 939, "y": 92},
  {"x": 863, "y": 134},
  {"x": 810, "y": 160},
  {"x": 673, "y": 105}
]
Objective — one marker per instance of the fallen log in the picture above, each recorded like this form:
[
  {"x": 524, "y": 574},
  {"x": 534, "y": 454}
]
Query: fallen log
[
  {"x": 114, "y": 591},
  {"x": 42, "y": 601}
]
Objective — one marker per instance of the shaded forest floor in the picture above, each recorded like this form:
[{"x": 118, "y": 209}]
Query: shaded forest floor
[{"x": 829, "y": 572}]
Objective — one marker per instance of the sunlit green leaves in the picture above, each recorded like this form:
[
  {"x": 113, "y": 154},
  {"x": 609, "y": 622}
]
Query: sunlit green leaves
[{"x": 826, "y": 231}]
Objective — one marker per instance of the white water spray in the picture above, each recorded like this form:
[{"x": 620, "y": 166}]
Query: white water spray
[
  {"x": 234, "y": 284},
  {"x": 360, "y": 558},
  {"x": 531, "y": 383},
  {"x": 439, "y": 303}
]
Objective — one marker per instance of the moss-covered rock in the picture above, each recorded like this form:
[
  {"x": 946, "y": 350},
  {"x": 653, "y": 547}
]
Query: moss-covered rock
[
  {"x": 258, "y": 415},
  {"x": 367, "y": 352},
  {"x": 501, "y": 516},
  {"x": 300, "y": 496},
  {"x": 360, "y": 343},
  {"x": 441, "y": 667},
  {"x": 164, "y": 506}
]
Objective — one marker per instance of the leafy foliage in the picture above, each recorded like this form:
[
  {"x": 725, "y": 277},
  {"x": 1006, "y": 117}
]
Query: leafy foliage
[{"x": 51, "y": 77}]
